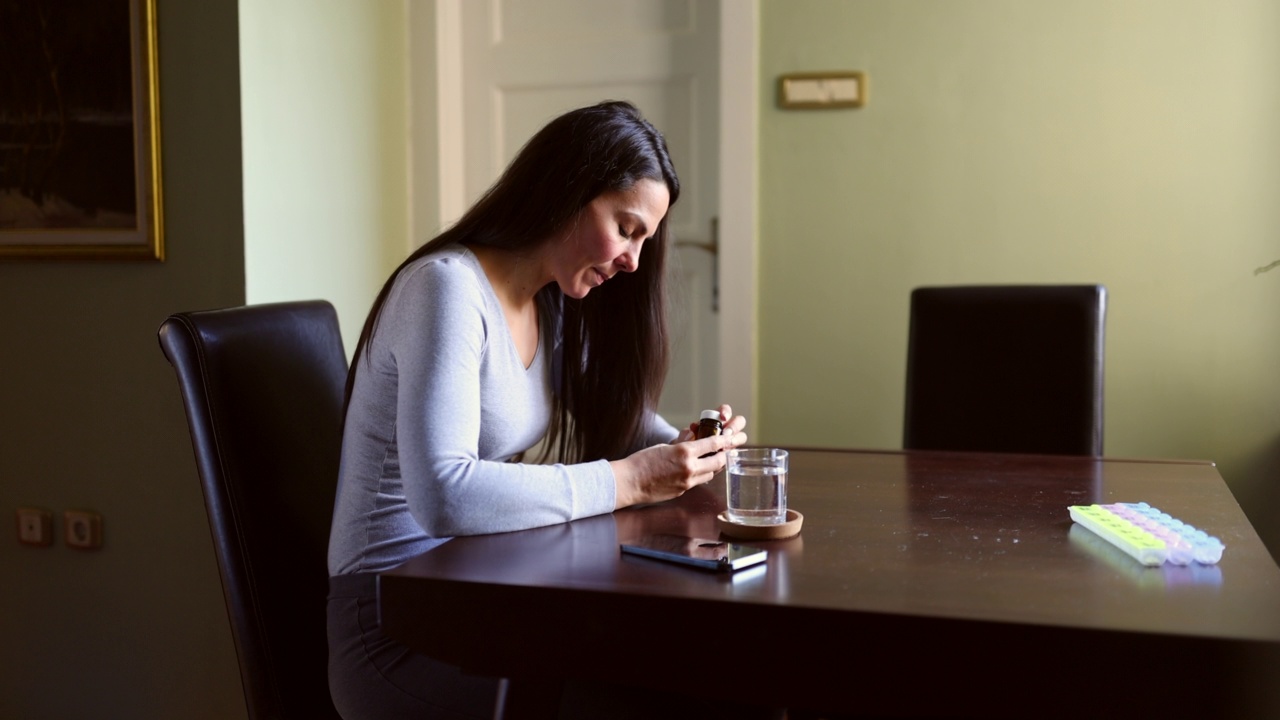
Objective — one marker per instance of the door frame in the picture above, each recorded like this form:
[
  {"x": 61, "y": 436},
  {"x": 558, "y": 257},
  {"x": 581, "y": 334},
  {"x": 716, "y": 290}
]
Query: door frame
[
  {"x": 739, "y": 148},
  {"x": 739, "y": 113}
]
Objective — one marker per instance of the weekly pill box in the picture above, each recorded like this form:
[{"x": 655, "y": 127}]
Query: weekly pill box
[{"x": 1148, "y": 535}]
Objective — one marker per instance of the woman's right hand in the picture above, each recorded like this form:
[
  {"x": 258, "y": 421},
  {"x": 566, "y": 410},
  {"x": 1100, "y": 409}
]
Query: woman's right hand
[{"x": 664, "y": 472}]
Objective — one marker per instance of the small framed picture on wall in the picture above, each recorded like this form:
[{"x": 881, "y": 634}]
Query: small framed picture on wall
[{"x": 80, "y": 131}]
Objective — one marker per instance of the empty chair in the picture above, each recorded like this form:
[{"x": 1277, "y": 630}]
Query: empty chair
[
  {"x": 1006, "y": 368},
  {"x": 263, "y": 390}
]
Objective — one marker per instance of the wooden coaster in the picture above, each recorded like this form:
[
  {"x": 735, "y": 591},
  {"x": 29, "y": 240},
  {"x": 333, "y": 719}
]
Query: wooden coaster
[{"x": 738, "y": 531}]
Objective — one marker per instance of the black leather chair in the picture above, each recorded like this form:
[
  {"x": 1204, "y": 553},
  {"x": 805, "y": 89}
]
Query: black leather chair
[
  {"x": 1006, "y": 368},
  {"x": 263, "y": 389}
]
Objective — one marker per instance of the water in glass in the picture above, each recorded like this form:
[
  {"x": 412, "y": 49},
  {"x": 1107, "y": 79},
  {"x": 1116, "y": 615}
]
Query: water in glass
[{"x": 757, "y": 494}]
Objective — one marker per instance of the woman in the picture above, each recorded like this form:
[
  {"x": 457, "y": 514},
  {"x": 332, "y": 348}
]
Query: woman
[{"x": 534, "y": 315}]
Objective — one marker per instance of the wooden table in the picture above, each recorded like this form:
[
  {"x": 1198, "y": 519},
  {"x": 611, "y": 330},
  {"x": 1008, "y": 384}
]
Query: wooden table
[{"x": 922, "y": 583}]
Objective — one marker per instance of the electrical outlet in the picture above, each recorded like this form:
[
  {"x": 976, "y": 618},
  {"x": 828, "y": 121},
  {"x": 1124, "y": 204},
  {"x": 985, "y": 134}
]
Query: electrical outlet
[
  {"x": 83, "y": 529},
  {"x": 35, "y": 527}
]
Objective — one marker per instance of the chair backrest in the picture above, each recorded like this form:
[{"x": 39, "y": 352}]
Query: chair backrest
[
  {"x": 1006, "y": 368},
  {"x": 263, "y": 390}
]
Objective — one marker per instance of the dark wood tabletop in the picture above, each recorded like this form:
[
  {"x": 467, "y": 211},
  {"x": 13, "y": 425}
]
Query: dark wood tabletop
[{"x": 921, "y": 584}]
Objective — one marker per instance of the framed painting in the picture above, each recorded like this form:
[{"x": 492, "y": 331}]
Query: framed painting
[{"x": 79, "y": 131}]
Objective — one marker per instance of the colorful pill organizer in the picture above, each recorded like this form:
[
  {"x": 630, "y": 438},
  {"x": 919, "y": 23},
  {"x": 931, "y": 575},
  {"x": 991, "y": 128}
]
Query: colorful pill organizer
[{"x": 1151, "y": 537}]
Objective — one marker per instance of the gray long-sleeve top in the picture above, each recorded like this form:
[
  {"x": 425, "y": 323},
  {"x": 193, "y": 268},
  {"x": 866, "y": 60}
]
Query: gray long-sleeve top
[{"x": 441, "y": 402}]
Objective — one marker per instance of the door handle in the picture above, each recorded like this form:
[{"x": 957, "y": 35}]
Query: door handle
[{"x": 713, "y": 247}]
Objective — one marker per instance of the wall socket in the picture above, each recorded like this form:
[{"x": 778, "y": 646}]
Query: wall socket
[
  {"x": 83, "y": 529},
  {"x": 35, "y": 527}
]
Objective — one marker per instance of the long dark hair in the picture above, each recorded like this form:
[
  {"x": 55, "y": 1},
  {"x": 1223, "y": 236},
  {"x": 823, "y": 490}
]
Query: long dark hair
[{"x": 615, "y": 341}]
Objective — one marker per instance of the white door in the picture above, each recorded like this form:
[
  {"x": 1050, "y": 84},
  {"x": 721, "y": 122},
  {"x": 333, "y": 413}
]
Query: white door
[{"x": 524, "y": 62}]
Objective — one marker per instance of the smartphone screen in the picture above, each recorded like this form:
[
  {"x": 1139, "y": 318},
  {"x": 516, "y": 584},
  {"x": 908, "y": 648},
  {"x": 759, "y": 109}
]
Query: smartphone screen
[{"x": 706, "y": 553}]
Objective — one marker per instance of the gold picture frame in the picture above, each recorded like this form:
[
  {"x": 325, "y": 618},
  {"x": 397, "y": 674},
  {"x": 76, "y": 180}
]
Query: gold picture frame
[
  {"x": 822, "y": 90},
  {"x": 80, "y": 133}
]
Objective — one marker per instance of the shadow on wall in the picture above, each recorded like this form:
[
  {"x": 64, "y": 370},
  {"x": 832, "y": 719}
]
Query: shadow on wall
[{"x": 1261, "y": 499}]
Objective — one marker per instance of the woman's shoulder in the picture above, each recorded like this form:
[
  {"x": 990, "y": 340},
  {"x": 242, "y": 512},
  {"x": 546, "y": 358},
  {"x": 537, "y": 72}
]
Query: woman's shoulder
[
  {"x": 446, "y": 261},
  {"x": 451, "y": 269},
  {"x": 442, "y": 282}
]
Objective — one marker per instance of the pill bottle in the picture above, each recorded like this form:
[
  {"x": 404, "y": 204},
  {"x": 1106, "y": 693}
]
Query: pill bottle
[{"x": 709, "y": 424}]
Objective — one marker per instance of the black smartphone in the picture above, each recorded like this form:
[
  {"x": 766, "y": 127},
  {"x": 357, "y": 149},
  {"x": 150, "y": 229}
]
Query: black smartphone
[{"x": 705, "y": 553}]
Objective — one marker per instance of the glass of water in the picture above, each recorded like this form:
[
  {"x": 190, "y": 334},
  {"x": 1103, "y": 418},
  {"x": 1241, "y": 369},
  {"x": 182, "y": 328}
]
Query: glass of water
[{"x": 757, "y": 486}]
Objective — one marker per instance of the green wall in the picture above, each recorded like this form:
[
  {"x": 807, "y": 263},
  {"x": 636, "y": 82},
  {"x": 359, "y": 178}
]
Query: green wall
[
  {"x": 309, "y": 200},
  {"x": 90, "y": 418},
  {"x": 1133, "y": 143}
]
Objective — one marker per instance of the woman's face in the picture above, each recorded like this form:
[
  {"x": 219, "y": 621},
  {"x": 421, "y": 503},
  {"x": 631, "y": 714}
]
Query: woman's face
[{"x": 606, "y": 237}]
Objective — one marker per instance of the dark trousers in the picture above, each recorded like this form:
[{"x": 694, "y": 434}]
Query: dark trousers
[{"x": 372, "y": 677}]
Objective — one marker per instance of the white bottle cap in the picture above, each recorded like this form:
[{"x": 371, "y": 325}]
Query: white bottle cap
[{"x": 710, "y": 415}]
